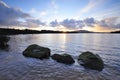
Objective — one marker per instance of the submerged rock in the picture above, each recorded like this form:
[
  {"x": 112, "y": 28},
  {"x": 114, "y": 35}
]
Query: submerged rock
[
  {"x": 63, "y": 58},
  {"x": 90, "y": 60},
  {"x": 37, "y": 51},
  {"x": 3, "y": 42}
]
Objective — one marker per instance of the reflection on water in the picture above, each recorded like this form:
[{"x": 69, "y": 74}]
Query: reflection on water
[
  {"x": 63, "y": 37},
  {"x": 14, "y": 66}
]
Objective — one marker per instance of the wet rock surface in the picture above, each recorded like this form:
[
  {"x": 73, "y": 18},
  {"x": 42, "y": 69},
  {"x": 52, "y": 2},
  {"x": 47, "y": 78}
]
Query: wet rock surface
[
  {"x": 37, "y": 51},
  {"x": 3, "y": 42},
  {"x": 63, "y": 58},
  {"x": 90, "y": 60}
]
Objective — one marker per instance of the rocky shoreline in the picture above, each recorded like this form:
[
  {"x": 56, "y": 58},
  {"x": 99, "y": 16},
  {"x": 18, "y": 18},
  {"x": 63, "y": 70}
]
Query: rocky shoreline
[{"x": 86, "y": 59}]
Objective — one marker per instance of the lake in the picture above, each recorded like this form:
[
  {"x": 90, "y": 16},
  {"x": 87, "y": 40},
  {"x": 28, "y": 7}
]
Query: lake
[{"x": 14, "y": 66}]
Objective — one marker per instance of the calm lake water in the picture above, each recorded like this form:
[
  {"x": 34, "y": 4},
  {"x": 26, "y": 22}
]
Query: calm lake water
[{"x": 14, "y": 66}]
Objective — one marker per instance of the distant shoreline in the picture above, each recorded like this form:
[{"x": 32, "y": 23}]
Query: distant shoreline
[{"x": 6, "y": 31}]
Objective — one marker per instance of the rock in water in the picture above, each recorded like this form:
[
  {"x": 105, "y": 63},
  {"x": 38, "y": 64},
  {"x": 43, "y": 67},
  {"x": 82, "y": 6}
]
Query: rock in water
[
  {"x": 37, "y": 51},
  {"x": 3, "y": 42},
  {"x": 63, "y": 58},
  {"x": 4, "y": 38},
  {"x": 90, "y": 60}
]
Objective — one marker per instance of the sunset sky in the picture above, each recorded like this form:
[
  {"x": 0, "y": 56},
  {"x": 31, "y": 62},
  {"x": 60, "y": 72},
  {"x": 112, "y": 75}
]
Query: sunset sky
[{"x": 92, "y": 15}]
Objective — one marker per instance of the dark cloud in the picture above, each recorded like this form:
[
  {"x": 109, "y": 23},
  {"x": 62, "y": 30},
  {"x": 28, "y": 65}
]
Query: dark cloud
[
  {"x": 80, "y": 24},
  {"x": 74, "y": 24},
  {"x": 89, "y": 22},
  {"x": 69, "y": 23},
  {"x": 54, "y": 23},
  {"x": 34, "y": 23},
  {"x": 103, "y": 23},
  {"x": 112, "y": 22},
  {"x": 10, "y": 16},
  {"x": 15, "y": 17}
]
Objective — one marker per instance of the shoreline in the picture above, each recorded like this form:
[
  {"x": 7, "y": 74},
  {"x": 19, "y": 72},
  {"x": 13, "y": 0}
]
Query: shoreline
[{"x": 8, "y": 31}]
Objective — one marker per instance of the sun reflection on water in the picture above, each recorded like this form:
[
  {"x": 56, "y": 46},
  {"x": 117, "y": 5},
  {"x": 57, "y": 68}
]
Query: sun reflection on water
[{"x": 64, "y": 39}]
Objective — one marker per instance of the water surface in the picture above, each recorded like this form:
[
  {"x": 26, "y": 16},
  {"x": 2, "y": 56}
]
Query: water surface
[{"x": 14, "y": 66}]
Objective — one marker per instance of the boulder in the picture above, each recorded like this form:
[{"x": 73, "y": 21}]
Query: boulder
[
  {"x": 90, "y": 60},
  {"x": 63, "y": 58},
  {"x": 4, "y": 38},
  {"x": 3, "y": 42},
  {"x": 3, "y": 46},
  {"x": 37, "y": 51}
]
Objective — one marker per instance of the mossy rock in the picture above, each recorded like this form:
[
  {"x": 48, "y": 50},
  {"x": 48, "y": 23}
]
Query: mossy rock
[
  {"x": 63, "y": 58},
  {"x": 92, "y": 61},
  {"x": 37, "y": 51}
]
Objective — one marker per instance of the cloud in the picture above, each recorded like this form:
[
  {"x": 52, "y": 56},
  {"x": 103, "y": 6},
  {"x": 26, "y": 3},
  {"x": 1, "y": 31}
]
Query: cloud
[
  {"x": 16, "y": 17},
  {"x": 109, "y": 12},
  {"x": 74, "y": 24},
  {"x": 112, "y": 22},
  {"x": 105, "y": 25},
  {"x": 68, "y": 23},
  {"x": 54, "y": 23},
  {"x": 91, "y": 5},
  {"x": 71, "y": 23},
  {"x": 49, "y": 12},
  {"x": 11, "y": 16},
  {"x": 52, "y": 8},
  {"x": 89, "y": 23},
  {"x": 43, "y": 13},
  {"x": 34, "y": 23}
]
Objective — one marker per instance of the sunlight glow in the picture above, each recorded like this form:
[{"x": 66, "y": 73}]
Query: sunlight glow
[
  {"x": 98, "y": 28},
  {"x": 62, "y": 28}
]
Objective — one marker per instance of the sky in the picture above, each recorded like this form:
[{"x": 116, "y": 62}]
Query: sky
[{"x": 64, "y": 15}]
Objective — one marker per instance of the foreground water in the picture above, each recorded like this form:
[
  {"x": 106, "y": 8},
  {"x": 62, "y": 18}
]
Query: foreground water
[{"x": 14, "y": 66}]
